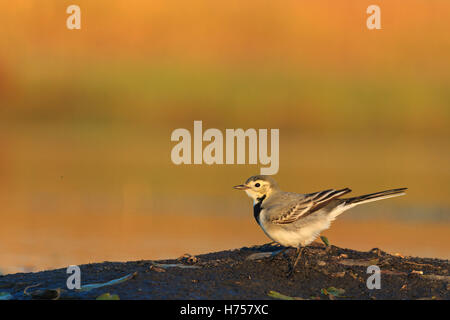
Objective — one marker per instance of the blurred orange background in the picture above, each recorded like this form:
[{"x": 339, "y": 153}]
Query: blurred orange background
[{"x": 86, "y": 117}]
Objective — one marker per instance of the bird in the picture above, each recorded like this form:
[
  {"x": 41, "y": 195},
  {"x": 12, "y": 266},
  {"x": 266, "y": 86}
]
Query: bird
[{"x": 296, "y": 220}]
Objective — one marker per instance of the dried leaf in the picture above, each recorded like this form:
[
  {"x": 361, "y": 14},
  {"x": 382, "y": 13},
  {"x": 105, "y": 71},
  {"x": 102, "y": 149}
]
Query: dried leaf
[
  {"x": 25, "y": 291},
  {"x": 262, "y": 255},
  {"x": 89, "y": 287},
  {"x": 359, "y": 262},
  {"x": 175, "y": 265},
  {"x": 157, "y": 269},
  {"x": 393, "y": 272},
  {"x": 421, "y": 264},
  {"x": 259, "y": 255},
  {"x": 339, "y": 274},
  {"x": 436, "y": 277}
]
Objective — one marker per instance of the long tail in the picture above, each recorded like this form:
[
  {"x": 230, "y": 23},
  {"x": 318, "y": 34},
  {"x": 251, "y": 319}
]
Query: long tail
[{"x": 375, "y": 196}]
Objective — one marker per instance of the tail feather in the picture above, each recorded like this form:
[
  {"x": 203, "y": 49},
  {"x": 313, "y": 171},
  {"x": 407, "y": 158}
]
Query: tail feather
[{"x": 375, "y": 196}]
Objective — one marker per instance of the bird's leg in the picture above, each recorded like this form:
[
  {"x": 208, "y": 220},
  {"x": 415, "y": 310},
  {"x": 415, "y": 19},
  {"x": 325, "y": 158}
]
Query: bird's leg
[{"x": 299, "y": 254}]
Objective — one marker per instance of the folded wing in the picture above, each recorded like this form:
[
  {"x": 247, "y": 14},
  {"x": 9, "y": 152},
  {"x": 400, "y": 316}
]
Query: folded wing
[{"x": 308, "y": 205}]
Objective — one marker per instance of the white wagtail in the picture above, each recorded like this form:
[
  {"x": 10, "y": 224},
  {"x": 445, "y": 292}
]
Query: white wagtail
[{"x": 296, "y": 220}]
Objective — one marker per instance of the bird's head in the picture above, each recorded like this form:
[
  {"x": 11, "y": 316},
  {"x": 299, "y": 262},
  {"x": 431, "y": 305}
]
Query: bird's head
[{"x": 259, "y": 186}]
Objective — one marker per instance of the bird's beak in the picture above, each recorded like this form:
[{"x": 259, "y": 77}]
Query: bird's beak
[{"x": 241, "y": 187}]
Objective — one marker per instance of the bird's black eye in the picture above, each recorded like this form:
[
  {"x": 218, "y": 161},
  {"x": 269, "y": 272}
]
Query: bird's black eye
[{"x": 257, "y": 185}]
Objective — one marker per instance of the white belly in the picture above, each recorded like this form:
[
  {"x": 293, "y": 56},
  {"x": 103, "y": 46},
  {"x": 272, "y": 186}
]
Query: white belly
[{"x": 295, "y": 238}]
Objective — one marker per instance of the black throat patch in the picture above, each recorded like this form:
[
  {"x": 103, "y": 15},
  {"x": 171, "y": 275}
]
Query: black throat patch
[{"x": 258, "y": 207}]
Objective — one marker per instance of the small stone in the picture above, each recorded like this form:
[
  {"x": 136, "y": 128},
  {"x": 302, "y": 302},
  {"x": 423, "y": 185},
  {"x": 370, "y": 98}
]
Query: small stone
[
  {"x": 417, "y": 272},
  {"x": 376, "y": 251},
  {"x": 188, "y": 259}
]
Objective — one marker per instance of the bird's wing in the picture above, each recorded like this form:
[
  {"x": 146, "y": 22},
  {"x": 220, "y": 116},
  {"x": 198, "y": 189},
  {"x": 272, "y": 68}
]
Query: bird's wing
[{"x": 308, "y": 204}]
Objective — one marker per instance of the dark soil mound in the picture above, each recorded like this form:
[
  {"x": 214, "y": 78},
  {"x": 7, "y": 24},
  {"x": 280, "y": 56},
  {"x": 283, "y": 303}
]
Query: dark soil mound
[{"x": 323, "y": 273}]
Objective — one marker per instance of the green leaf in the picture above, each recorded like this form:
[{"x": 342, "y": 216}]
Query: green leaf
[
  {"x": 89, "y": 287},
  {"x": 107, "y": 296},
  {"x": 336, "y": 291},
  {"x": 325, "y": 240},
  {"x": 333, "y": 292},
  {"x": 277, "y": 295},
  {"x": 5, "y": 296}
]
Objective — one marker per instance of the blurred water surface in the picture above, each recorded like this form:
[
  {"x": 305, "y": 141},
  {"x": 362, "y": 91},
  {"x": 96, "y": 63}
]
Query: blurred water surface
[{"x": 86, "y": 118}]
